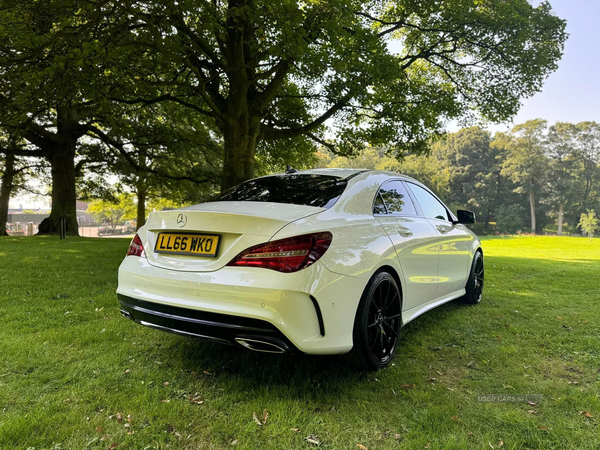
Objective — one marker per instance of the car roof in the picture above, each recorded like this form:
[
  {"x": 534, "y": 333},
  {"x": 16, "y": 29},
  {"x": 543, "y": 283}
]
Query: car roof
[{"x": 351, "y": 173}]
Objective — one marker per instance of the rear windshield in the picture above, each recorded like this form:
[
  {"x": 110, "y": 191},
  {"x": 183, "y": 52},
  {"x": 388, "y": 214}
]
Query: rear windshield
[{"x": 298, "y": 189}]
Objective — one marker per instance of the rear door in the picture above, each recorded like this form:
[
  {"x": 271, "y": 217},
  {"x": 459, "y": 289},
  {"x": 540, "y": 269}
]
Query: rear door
[
  {"x": 414, "y": 239},
  {"x": 453, "y": 241}
]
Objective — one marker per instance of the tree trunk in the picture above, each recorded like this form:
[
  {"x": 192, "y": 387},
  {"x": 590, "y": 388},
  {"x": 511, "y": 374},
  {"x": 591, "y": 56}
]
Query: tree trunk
[
  {"x": 61, "y": 155},
  {"x": 560, "y": 218},
  {"x": 240, "y": 139},
  {"x": 532, "y": 207},
  {"x": 141, "y": 208},
  {"x": 64, "y": 197},
  {"x": 5, "y": 191}
]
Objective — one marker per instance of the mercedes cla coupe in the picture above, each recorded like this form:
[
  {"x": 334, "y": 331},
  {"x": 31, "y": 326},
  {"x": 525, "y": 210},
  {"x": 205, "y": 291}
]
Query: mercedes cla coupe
[{"x": 327, "y": 261}]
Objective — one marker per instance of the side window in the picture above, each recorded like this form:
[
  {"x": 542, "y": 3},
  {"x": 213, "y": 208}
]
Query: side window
[
  {"x": 378, "y": 206},
  {"x": 396, "y": 198},
  {"x": 430, "y": 205}
]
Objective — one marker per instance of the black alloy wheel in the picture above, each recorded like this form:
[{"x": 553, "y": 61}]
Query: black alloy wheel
[
  {"x": 474, "y": 288},
  {"x": 377, "y": 324}
]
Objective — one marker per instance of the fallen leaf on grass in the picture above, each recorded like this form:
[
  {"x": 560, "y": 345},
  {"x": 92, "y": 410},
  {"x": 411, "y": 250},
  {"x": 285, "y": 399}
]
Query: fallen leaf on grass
[
  {"x": 106, "y": 437},
  {"x": 234, "y": 442},
  {"x": 431, "y": 380},
  {"x": 586, "y": 414},
  {"x": 454, "y": 418},
  {"x": 439, "y": 373},
  {"x": 112, "y": 446},
  {"x": 573, "y": 382},
  {"x": 362, "y": 447},
  {"x": 500, "y": 444},
  {"x": 531, "y": 411},
  {"x": 263, "y": 420},
  {"x": 312, "y": 439},
  {"x": 408, "y": 386},
  {"x": 531, "y": 403},
  {"x": 507, "y": 386},
  {"x": 195, "y": 399},
  {"x": 98, "y": 429},
  {"x": 166, "y": 383},
  {"x": 297, "y": 430},
  {"x": 126, "y": 372},
  {"x": 543, "y": 427},
  {"x": 428, "y": 445},
  {"x": 469, "y": 365},
  {"x": 166, "y": 400},
  {"x": 206, "y": 372}
]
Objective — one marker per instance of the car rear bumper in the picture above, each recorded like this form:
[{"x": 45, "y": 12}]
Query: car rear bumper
[
  {"x": 310, "y": 311},
  {"x": 220, "y": 328}
]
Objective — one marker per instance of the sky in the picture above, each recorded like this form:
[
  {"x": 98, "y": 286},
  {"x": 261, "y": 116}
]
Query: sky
[{"x": 571, "y": 94}]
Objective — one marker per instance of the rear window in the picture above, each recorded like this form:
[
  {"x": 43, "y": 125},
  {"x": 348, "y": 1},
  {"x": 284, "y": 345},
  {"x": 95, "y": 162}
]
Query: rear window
[{"x": 298, "y": 189}]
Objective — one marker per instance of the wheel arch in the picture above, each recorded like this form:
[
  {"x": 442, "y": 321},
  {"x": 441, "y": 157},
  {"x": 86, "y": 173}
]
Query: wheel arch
[{"x": 394, "y": 273}]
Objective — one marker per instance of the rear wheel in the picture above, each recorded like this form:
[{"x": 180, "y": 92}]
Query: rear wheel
[
  {"x": 377, "y": 324},
  {"x": 474, "y": 288}
]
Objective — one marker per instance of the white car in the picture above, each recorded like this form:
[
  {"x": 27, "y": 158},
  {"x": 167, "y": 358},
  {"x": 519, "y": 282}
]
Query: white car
[{"x": 326, "y": 261}]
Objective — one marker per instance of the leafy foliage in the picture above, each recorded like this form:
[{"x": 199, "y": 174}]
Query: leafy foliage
[{"x": 589, "y": 223}]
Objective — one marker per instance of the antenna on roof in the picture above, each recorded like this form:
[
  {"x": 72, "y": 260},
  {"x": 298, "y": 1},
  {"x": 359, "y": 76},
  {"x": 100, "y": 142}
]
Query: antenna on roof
[{"x": 290, "y": 169}]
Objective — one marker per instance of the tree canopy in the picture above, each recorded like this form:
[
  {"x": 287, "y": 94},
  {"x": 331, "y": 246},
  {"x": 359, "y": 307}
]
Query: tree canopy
[{"x": 384, "y": 73}]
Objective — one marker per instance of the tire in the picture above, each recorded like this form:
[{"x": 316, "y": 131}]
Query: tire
[
  {"x": 474, "y": 287},
  {"x": 377, "y": 324}
]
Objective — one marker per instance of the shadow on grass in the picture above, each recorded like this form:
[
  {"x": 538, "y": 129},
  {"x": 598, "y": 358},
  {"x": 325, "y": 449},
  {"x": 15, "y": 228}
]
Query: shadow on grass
[{"x": 295, "y": 375}]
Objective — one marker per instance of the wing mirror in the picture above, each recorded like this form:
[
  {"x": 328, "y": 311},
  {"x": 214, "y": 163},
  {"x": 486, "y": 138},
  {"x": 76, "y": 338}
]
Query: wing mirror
[{"x": 465, "y": 216}]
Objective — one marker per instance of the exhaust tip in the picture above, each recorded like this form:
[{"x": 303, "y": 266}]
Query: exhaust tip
[
  {"x": 126, "y": 314},
  {"x": 258, "y": 345}
]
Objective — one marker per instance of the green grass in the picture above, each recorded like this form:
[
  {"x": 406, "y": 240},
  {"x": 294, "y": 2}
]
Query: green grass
[{"x": 69, "y": 364}]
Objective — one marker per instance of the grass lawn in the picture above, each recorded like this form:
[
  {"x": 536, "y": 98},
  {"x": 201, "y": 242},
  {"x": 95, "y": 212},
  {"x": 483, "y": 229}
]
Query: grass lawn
[{"x": 75, "y": 375}]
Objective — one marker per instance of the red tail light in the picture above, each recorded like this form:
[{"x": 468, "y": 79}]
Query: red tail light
[
  {"x": 136, "y": 248},
  {"x": 285, "y": 255}
]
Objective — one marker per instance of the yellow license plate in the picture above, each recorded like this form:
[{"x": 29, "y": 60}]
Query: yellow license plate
[{"x": 187, "y": 244}]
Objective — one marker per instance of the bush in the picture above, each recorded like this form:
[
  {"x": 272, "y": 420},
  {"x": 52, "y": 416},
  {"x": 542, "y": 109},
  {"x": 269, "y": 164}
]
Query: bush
[{"x": 511, "y": 219}]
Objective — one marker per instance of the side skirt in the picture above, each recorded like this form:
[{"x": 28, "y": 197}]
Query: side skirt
[{"x": 415, "y": 312}]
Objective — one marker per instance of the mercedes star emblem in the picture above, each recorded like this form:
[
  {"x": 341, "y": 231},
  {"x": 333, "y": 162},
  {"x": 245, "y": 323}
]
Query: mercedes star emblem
[{"x": 181, "y": 220}]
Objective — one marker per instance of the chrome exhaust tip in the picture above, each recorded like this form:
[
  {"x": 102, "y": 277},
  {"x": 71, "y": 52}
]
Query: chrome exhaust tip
[
  {"x": 126, "y": 314},
  {"x": 258, "y": 345}
]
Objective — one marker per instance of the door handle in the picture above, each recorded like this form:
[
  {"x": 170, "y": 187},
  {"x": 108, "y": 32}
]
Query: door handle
[
  {"x": 442, "y": 229},
  {"x": 405, "y": 232}
]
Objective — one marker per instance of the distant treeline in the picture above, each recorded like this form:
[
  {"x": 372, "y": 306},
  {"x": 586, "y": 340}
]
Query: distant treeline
[{"x": 535, "y": 177}]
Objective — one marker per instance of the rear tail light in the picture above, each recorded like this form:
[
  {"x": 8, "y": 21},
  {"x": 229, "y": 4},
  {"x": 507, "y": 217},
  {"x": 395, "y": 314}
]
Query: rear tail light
[
  {"x": 136, "y": 248},
  {"x": 285, "y": 255}
]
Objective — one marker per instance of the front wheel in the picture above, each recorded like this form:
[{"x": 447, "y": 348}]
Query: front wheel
[
  {"x": 377, "y": 324},
  {"x": 474, "y": 286}
]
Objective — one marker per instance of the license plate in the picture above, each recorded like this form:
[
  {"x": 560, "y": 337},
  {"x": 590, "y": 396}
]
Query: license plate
[{"x": 187, "y": 244}]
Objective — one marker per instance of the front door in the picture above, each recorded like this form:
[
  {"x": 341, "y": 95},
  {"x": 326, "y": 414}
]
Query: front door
[{"x": 454, "y": 242}]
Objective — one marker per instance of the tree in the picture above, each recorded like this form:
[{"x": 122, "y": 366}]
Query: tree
[
  {"x": 560, "y": 151},
  {"x": 589, "y": 223},
  {"x": 113, "y": 211},
  {"x": 472, "y": 168},
  {"x": 13, "y": 174},
  {"x": 525, "y": 160},
  {"x": 587, "y": 144},
  {"x": 49, "y": 80},
  {"x": 384, "y": 73},
  {"x": 161, "y": 150}
]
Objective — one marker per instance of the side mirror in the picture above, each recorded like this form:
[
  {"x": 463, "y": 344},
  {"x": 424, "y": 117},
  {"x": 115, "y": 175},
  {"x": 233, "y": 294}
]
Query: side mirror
[{"x": 465, "y": 216}]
